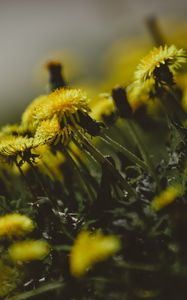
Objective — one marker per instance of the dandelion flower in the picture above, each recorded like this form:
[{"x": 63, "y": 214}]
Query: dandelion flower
[
  {"x": 167, "y": 58},
  {"x": 28, "y": 115},
  {"x": 64, "y": 104},
  {"x": 13, "y": 146},
  {"x": 90, "y": 248},
  {"x": 12, "y": 129},
  {"x": 47, "y": 131},
  {"x": 15, "y": 225},
  {"x": 10, "y": 278},
  {"x": 28, "y": 250},
  {"x": 166, "y": 197}
]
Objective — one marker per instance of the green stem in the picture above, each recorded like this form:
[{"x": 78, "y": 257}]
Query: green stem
[
  {"x": 84, "y": 167},
  {"x": 26, "y": 181},
  {"x": 139, "y": 266},
  {"x": 173, "y": 94},
  {"x": 102, "y": 160},
  {"x": 40, "y": 290},
  {"x": 52, "y": 201},
  {"x": 81, "y": 177},
  {"x": 132, "y": 157},
  {"x": 142, "y": 150},
  {"x": 42, "y": 185},
  {"x": 177, "y": 104}
]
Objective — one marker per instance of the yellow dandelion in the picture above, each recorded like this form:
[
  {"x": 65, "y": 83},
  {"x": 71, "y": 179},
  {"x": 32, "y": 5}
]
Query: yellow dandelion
[
  {"x": 28, "y": 250},
  {"x": 12, "y": 129},
  {"x": 166, "y": 197},
  {"x": 47, "y": 131},
  {"x": 15, "y": 225},
  {"x": 168, "y": 56},
  {"x": 90, "y": 248},
  {"x": 13, "y": 146},
  {"x": 28, "y": 115},
  {"x": 10, "y": 278},
  {"x": 64, "y": 104}
]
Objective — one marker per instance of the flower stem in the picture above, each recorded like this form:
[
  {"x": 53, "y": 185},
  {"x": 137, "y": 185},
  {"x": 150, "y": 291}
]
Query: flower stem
[
  {"x": 132, "y": 157},
  {"x": 52, "y": 201},
  {"x": 26, "y": 181},
  {"x": 84, "y": 167},
  {"x": 142, "y": 150},
  {"x": 103, "y": 160},
  {"x": 181, "y": 113},
  {"x": 38, "y": 291},
  {"x": 42, "y": 184},
  {"x": 81, "y": 177}
]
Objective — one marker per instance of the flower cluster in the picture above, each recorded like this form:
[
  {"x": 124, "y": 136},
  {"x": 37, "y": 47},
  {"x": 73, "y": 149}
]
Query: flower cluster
[
  {"x": 97, "y": 175},
  {"x": 48, "y": 121},
  {"x": 14, "y": 226}
]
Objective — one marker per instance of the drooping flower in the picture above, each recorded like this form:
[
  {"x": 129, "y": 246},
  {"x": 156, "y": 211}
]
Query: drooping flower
[
  {"x": 15, "y": 225},
  {"x": 166, "y": 197},
  {"x": 10, "y": 278},
  {"x": 161, "y": 59},
  {"x": 90, "y": 248},
  {"x": 13, "y": 146},
  {"x": 47, "y": 131},
  {"x": 28, "y": 250},
  {"x": 54, "y": 116},
  {"x": 12, "y": 129}
]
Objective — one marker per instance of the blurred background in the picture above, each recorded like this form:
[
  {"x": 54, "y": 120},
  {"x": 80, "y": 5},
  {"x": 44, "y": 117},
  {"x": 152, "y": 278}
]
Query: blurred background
[{"x": 93, "y": 39}]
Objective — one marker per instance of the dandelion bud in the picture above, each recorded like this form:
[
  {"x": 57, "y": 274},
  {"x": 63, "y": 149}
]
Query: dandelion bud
[
  {"x": 121, "y": 102},
  {"x": 55, "y": 72}
]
